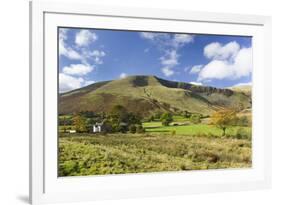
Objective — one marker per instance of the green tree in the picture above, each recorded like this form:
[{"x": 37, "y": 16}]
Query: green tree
[
  {"x": 166, "y": 118},
  {"x": 119, "y": 113},
  {"x": 224, "y": 118}
]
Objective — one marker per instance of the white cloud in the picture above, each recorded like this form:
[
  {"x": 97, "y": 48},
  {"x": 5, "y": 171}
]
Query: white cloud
[
  {"x": 243, "y": 84},
  {"x": 85, "y": 37},
  {"x": 77, "y": 69},
  {"x": 238, "y": 66},
  {"x": 167, "y": 71},
  {"x": 65, "y": 50},
  {"x": 67, "y": 82},
  {"x": 168, "y": 40},
  {"x": 196, "y": 83},
  {"x": 182, "y": 39},
  {"x": 123, "y": 75},
  {"x": 97, "y": 55},
  {"x": 170, "y": 59},
  {"x": 153, "y": 36},
  {"x": 169, "y": 45},
  {"x": 217, "y": 51},
  {"x": 195, "y": 69}
]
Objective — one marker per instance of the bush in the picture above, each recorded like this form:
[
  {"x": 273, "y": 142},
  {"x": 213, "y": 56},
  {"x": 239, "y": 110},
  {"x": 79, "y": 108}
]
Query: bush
[
  {"x": 243, "y": 121},
  {"x": 132, "y": 129},
  {"x": 107, "y": 128},
  {"x": 195, "y": 118},
  {"x": 242, "y": 134},
  {"x": 140, "y": 129},
  {"x": 166, "y": 118}
]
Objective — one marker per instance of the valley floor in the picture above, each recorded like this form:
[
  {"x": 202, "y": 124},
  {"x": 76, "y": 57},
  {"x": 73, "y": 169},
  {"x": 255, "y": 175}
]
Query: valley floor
[{"x": 96, "y": 154}]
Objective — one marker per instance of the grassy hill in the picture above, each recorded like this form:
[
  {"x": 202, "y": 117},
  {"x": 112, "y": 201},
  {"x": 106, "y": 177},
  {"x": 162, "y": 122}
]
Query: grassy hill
[
  {"x": 148, "y": 94},
  {"x": 246, "y": 89}
]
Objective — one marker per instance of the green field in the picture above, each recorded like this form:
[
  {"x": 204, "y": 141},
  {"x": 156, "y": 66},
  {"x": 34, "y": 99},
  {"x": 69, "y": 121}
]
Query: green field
[
  {"x": 193, "y": 129},
  {"x": 94, "y": 154}
]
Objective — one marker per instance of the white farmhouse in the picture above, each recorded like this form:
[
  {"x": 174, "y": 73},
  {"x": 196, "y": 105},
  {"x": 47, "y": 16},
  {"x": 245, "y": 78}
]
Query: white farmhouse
[{"x": 97, "y": 127}]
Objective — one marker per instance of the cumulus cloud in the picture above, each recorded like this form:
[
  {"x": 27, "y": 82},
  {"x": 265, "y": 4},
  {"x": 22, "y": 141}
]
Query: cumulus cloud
[
  {"x": 227, "y": 62},
  {"x": 196, "y": 83},
  {"x": 170, "y": 58},
  {"x": 77, "y": 69},
  {"x": 85, "y": 37},
  {"x": 182, "y": 39},
  {"x": 169, "y": 61},
  {"x": 195, "y": 69},
  {"x": 123, "y": 75},
  {"x": 218, "y": 51},
  {"x": 67, "y": 82},
  {"x": 66, "y": 50},
  {"x": 167, "y": 71}
]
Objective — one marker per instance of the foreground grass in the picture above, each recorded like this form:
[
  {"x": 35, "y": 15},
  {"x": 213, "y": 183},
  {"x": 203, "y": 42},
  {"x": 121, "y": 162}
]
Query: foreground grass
[{"x": 81, "y": 155}]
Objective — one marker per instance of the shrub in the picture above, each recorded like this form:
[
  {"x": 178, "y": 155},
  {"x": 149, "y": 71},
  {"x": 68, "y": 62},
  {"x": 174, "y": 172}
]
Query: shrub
[
  {"x": 242, "y": 134},
  {"x": 166, "y": 118},
  {"x": 140, "y": 129},
  {"x": 243, "y": 121},
  {"x": 195, "y": 118},
  {"x": 132, "y": 129}
]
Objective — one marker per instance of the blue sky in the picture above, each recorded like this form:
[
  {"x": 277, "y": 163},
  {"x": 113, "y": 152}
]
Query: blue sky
[{"x": 90, "y": 55}]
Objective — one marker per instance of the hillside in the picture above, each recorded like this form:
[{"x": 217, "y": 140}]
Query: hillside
[{"x": 147, "y": 94}]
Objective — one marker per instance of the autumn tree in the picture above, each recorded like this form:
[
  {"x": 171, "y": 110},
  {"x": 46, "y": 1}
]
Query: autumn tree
[
  {"x": 80, "y": 123},
  {"x": 224, "y": 118}
]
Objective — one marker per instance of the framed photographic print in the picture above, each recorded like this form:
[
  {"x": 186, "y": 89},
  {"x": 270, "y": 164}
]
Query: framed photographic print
[{"x": 129, "y": 102}]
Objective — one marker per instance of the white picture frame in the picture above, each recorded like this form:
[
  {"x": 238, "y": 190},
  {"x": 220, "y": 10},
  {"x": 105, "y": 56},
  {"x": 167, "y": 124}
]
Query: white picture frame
[{"x": 46, "y": 187}]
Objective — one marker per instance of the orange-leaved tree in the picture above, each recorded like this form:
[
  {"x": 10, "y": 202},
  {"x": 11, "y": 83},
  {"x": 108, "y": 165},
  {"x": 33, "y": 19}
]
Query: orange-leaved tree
[{"x": 224, "y": 118}]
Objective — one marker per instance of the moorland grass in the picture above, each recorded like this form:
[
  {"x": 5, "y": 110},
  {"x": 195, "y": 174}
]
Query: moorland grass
[{"x": 96, "y": 154}]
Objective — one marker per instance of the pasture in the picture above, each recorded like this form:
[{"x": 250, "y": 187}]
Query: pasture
[{"x": 194, "y": 129}]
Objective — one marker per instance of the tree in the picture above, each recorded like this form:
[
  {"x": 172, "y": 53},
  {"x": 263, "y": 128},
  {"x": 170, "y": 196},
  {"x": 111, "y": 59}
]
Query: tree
[
  {"x": 119, "y": 113},
  {"x": 121, "y": 119},
  {"x": 186, "y": 114},
  {"x": 195, "y": 118},
  {"x": 166, "y": 118},
  {"x": 133, "y": 128},
  {"x": 80, "y": 123},
  {"x": 224, "y": 118}
]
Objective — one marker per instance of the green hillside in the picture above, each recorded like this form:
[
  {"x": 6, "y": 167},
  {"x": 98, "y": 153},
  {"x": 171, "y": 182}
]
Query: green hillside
[{"x": 148, "y": 94}]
